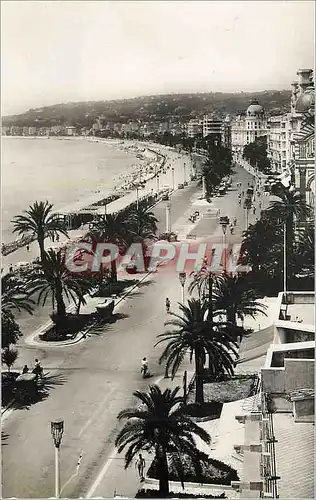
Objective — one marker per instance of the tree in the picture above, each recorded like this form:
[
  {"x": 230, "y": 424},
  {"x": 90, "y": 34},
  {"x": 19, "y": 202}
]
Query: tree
[
  {"x": 14, "y": 297},
  {"x": 161, "y": 425},
  {"x": 259, "y": 243},
  {"x": 52, "y": 278},
  {"x": 290, "y": 208},
  {"x": 9, "y": 356},
  {"x": 304, "y": 250},
  {"x": 113, "y": 229},
  {"x": 195, "y": 333},
  {"x": 39, "y": 221},
  {"x": 256, "y": 154},
  {"x": 235, "y": 295}
]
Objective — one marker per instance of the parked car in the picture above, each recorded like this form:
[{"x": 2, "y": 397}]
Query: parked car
[
  {"x": 165, "y": 197},
  {"x": 180, "y": 186}
]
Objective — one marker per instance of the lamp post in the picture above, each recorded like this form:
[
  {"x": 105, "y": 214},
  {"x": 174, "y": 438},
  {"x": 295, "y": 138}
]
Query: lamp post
[
  {"x": 168, "y": 217},
  {"x": 184, "y": 173},
  {"x": 57, "y": 429},
  {"x": 173, "y": 183},
  {"x": 224, "y": 223},
  {"x": 158, "y": 184},
  {"x": 182, "y": 278},
  {"x": 284, "y": 258}
]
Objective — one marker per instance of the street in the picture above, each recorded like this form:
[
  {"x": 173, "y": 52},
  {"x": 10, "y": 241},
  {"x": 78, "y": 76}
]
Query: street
[{"x": 92, "y": 381}]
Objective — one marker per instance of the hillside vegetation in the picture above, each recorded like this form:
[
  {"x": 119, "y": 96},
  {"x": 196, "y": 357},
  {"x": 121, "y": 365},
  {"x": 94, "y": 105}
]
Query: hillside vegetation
[{"x": 150, "y": 108}]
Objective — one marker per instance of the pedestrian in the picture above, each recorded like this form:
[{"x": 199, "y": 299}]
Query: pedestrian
[
  {"x": 28, "y": 248},
  {"x": 167, "y": 305},
  {"x": 218, "y": 211},
  {"x": 254, "y": 210},
  {"x": 57, "y": 238},
  {"x": 25, "y": 369},
  {"x": 235, "y": 221},
  {"x": 140, "y": 464},
  {"x": 10, "y": 269},
  {"x": 53, "y": 237}
]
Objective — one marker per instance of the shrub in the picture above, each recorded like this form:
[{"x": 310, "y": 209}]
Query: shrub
[
  {"x": 213, "y": 472},
  {"x": 7, "y": 386},
  {"x": 9, "y": 356},
  {"x": 155, "y": 494},
  {"x": 74, "y": 324}
]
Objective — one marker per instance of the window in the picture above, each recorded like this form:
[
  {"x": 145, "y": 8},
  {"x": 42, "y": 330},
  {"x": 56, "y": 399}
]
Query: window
[{"x": 302, "y": 150}]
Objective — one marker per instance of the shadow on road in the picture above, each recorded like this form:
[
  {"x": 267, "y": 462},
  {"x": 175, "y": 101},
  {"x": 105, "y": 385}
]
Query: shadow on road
[
  {"x": 4, "y": 438},
  {"x": 104, "y": 326},
  {"x": 46, "y": 384}
]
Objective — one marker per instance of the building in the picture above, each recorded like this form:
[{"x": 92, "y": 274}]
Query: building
[
  {"x": 283, "y": 128},
  {"x": 32, "y": 131},
  {"x": 246, "y": 128},
  {"x": 194, "y": 127},
  {"x": 278, "y": 446},
  {"x": 217, "y": 127},
  {"x": 71, "y": 130},
  {"x": 304, "y": 138}
]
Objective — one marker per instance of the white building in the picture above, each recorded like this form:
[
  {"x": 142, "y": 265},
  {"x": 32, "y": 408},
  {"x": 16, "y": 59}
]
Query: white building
[
  {"x": 194, "y": 127},
  {"x": 283, "y": 128},
  {"x": 246, "y": 128},
  {"x": 218, "y": 127}
]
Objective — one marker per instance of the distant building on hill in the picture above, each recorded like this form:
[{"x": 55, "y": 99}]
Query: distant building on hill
[
  {"x": 194, "y": 127},
  {"x": 217, "y": 127}
]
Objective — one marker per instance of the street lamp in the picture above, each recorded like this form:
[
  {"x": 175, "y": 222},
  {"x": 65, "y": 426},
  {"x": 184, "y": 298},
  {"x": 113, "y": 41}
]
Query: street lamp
[
  {"x": 57, "y": 429},
  {"x": 224, "y": 222},
  {"x": 182, "y": 278},
  {"x": 184, "y": 172},
  {"x": 158, "y": 184},
  {"x": 173, "y": 183},
  {"x": 168, "y": 217}
]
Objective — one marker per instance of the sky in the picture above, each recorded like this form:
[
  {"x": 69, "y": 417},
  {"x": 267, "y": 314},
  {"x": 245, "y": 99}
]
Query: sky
[{"x": 61, "y": 51}]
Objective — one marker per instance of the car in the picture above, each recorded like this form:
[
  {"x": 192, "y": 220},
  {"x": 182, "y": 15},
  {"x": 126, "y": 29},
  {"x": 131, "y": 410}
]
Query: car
[
  {"x": 165, "y": 197},
  {"x": 185, "y": 183},
  {"x": 180, "y": 186}
]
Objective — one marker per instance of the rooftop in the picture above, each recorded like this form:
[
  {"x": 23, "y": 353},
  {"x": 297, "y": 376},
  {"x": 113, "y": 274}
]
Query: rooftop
[{"x": 295, "y": 463}]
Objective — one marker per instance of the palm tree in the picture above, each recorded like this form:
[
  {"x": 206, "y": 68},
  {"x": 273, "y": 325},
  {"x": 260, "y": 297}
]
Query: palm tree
[
  {"x": 52, "y": 278},
  {"x": 304, "y": 251},
  {"x": 40, "y": 221},
  {"x": 196, "y": 333},
  {"x": 235, "y": 295},
  {"x": 291, "y": 206},
  {"x": 142, "y": 223},
  {"x": 259, "y": 243},
  {"x": 161, "y": 425},
  {"x": 113, "y": 229},
  {"x": 14, "y": 296}
]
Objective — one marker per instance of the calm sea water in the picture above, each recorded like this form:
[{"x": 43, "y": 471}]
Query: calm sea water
[{"x": 60, "y": 171}]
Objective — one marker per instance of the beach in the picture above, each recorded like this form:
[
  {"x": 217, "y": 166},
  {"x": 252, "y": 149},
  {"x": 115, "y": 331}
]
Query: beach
[
  {"x": 66, "y": 172},
  {"x": 155, "y": 166}
]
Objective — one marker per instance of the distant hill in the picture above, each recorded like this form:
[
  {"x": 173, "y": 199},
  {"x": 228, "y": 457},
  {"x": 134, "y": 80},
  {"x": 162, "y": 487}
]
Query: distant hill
[{"x": 150, "y": 108}]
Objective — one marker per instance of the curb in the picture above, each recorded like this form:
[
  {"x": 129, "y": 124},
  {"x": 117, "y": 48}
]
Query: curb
[
  {"x": 3, "y": 411},
  {"x": 81, "y": 335}
]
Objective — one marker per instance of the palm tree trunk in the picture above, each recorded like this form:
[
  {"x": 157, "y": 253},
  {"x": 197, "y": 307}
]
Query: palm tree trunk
[
  {"x": 163, "y": 473},
  {"x": 199, "y": 396},
  {"x": 61, "y": 308},
  {"x": 289, "y": 228},
  {"x": 113, "y": 271},
  {"x": 41, "y": 244}
]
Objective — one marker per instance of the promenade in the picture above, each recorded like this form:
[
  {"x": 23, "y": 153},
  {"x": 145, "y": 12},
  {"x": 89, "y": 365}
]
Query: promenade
[{"x": 90, "y": 382}]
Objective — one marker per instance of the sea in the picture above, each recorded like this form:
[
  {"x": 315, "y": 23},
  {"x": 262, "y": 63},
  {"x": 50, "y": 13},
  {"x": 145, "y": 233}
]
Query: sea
[{"x": 62, "y": 171}]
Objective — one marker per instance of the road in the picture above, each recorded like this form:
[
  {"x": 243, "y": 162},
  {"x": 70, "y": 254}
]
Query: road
[{"x": 90, "y": 383}]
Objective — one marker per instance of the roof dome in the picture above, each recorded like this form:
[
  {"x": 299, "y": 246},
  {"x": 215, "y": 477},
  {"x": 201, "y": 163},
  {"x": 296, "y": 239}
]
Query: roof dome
[
  {"x": 255, "y": 109},
  {"x": 306, "y": 102}
]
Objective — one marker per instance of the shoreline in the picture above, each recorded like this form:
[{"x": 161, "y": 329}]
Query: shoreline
[{"x": 152, "y": 162}]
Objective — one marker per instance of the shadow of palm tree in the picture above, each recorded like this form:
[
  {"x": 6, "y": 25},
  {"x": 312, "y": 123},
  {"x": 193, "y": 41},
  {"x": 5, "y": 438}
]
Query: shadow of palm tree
[
  {"x": 24, "y": 400},
  {"x": 4, "y": 438},
  {"x": 103, "y": 326}
]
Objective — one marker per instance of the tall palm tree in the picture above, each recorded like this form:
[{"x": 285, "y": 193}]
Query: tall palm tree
[
  {"x": 39, "y": 221},
  {"x": 235, "y": 295},
  {"x": 142, "y": 223},
  {"x": 52, "y": 278},
  {"x": 196, "y": 333},
  {"x": 291, "y": 207},
  {"x": 304, "y": 251},
  {"x": 113, "y": 229},
  {"x": 161, "y": 425},
  {"x": 259, "y": 243}
]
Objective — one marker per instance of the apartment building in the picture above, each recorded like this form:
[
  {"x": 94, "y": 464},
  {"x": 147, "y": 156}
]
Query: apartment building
[
  {"x": 194, "y": 127},
  {"x": 217, "y": 127},
  {"x": 245, "y": 128}
]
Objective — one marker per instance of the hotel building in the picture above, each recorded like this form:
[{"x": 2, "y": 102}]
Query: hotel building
[{"x": 246, "y": 128}]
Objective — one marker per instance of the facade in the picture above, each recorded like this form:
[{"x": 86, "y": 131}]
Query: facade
[
  {"x": 246, "y": 128},
  {"x": 217, "y": 127},
  {"x": 194, "y": 127},
  {"x": 304, "y": 139},
  {"x": 283, "y": 128}
]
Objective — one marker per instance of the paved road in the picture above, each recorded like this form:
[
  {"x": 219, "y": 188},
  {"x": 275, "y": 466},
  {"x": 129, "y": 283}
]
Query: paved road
[{"x": 90, "y": 383}]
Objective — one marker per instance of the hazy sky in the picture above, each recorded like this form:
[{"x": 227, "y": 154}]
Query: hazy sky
[{"x": 75, "y": 51}]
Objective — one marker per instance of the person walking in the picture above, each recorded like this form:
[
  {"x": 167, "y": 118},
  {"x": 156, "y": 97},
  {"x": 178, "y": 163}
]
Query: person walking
[
  {"x": 10, "y": 269},
  {"x": 167, "y": 305},
  {"x": 28, "y": 248},
  {"x": 140, "y": 464}
]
